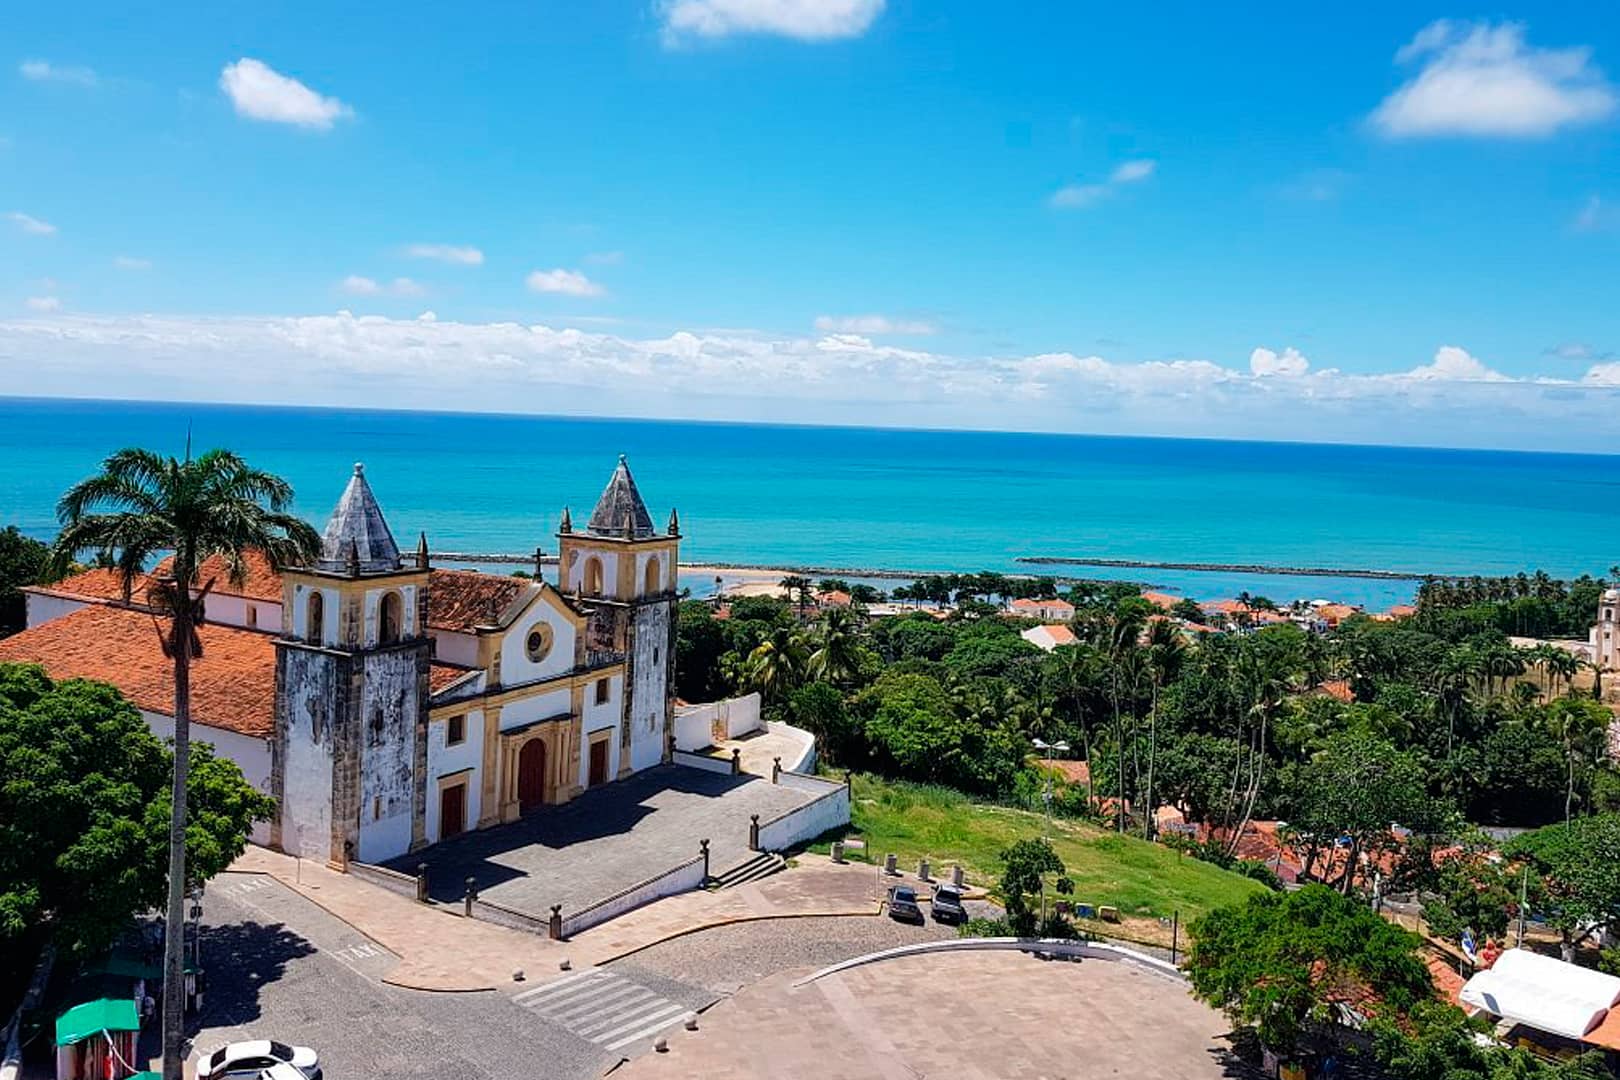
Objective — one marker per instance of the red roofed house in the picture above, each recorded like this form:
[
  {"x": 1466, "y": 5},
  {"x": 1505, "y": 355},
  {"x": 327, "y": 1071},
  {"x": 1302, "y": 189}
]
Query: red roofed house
[
  {"x": 1046, "y": 610},
  {"x": 386, "y": 704},
  {"x": 1162, "y": 601},
  {"x": 1047, "y": 638}
]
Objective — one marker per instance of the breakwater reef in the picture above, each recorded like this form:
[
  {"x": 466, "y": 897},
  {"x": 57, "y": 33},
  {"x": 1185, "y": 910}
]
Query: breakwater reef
[{"x": 1234, "y": 568}]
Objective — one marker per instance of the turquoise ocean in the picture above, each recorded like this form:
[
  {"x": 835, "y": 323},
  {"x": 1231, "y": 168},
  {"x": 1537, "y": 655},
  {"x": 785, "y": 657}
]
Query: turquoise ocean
[{"x": 887, "y": 499}]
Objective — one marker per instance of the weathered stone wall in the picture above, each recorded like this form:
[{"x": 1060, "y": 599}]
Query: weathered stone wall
[
  {"x": 389, "y": 713},
  {"x": 307, "y": 717},
  {"x": 647, "y": 713}
]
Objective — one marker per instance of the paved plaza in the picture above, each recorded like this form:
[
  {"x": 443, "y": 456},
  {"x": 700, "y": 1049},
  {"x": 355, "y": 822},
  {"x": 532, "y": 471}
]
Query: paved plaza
[
  {"x": 967, "y": 1015},
  {"x": 606, "y": 840}
]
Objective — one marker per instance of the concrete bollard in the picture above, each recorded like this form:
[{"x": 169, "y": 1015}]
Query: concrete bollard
[
  {"x": 956, "y": 875},
  {"x": 776, "y": 770},
  {"x": 922, "y": 870},
  {"x": 753, "y": 832},
  {"x": 554, "y": 925},
  {"x": 837, "y": 851},
  {"x": 891, "y": 864},
  {"x": 518, "y": 976},
  {"x": 703, "y": 848},
  {"x": 470, "y": 896},
  {"x": 421, "y": 883},
  {"x": 736, "y": 761},
  {"x": 691, "y": 1021},
  {"x": 661, "y": 1045}
]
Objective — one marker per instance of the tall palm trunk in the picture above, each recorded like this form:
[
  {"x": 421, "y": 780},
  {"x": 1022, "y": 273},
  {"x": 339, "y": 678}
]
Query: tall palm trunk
[
  {"x": 174, "y": 1011},
  {"x": 1153, "y": 748}
]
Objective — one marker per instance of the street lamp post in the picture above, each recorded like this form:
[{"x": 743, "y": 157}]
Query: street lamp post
[{"x": 1047, "y": 748}]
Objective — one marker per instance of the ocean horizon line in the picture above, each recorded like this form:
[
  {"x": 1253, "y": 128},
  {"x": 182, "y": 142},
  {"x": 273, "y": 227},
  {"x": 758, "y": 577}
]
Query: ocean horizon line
[{"x": 790, "y": 425}]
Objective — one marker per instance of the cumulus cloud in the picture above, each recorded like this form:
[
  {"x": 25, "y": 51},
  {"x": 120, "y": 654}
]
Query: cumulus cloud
[
  {"x": 30, "y": 224},
  {"x": 45, "y": 71},
  {"x": 1290, "y": 362},
  {"x": 1486, "y": 79},
  {"x": 448, "y": 253},
  {"x": 259, "y": 92},
  {"x": 1079, "y": 196},
  {"x": 566, "y": 282},
  {"x": 356, "y": 285},
  {"x": 43, "y": 303},
  {"x": 805, "y": 20},
  {"x": 1455, "y": 399},
  {"x": 130, "y": 262},
  {"x": 871, "y": 324}
]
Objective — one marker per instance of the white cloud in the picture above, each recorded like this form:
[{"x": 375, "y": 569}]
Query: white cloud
[
  {"x": 1129, "y": 172},
  {"x": 1486, "y": 79},
  {"x": 45, "y": 71},
  {"x": 449, "y": 253},
  {"x": 1080, "y": 196},
  {"x": 1290, "y": 362},
  {"x": 412, "y": 362},
  {"x": 259, "y": 92},
  {"x": 43, "y": 303},
  {"x": 871, "y": 324},
  {"x": 806, "y": 20},
  {"x": 1453, "y": 364},
  {"x": 356, "y": 285},
  {"x": 566, "y": 282},
  {"x": 30, "y": 224},
  {"x": 130, "y": 262}
]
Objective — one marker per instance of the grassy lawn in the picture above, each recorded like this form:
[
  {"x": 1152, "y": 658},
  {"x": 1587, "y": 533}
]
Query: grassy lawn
[{"x": 1140, "y": 878}]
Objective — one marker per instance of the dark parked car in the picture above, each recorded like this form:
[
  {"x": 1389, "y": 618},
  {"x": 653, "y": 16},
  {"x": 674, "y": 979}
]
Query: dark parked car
[
  {"x": 947, "y": 906},
  {"x": 903, "y": 904}
]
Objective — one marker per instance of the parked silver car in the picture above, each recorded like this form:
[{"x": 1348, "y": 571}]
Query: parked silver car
[{"x": 903, "y": 904}]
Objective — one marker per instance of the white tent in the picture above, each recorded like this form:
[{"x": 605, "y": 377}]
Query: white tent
[{"x": 1543, "y": 993}]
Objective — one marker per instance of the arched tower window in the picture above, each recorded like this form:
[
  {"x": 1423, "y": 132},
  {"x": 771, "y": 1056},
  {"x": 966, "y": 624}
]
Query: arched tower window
[
  {"x": 315, "y": 618},
  {"x": 654, "y": 583},
  {"x": 593, "y": 576},
  {"x": 389, "y": 617}
]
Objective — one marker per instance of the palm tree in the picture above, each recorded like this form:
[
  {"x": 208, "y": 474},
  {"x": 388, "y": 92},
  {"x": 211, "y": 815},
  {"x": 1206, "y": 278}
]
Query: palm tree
[
  {"x": 142, "y": 504},
  {"x": 775, "y": 666},
  {"x": 1166, "y": 650},
  {"x": 797, "y": 584},
  {"x": 837, "y": 655},
  {"x": 1582, "y": 727}
]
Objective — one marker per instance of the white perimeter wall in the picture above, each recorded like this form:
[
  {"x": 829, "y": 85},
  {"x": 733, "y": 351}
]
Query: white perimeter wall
[
  {"x": 694, "y": 727},
  {"x": 251, "y": 755},
  {"x": 807, "y": 821}
]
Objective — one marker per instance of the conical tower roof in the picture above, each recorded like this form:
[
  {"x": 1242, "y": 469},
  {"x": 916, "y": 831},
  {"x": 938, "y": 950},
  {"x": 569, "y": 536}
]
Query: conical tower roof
[
  {"x": 357, "y": 529},
  {"x": 620, "y": 511}
]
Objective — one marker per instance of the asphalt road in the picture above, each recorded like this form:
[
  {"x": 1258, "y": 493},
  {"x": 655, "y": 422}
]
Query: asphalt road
[{"x": 280, "y": 967}]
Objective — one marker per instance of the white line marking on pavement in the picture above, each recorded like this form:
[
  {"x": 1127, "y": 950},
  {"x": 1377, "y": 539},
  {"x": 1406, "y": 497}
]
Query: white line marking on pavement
[
  {"x": 669, "y": 1017},
  {"x": 617, "y": 997},
  {"x": 557, "y": 984}
]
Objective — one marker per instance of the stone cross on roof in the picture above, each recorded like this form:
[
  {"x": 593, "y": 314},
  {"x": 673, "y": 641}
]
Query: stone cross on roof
[
  {"x": 356, "y": 534},
  {"x": 620, "y": 511}
]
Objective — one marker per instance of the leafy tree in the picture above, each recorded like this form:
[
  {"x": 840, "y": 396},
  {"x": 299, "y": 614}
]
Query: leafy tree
[
  {"x": 700, "y": 641},
  {"x": 1024, "y": 866},
  {"x": 1279, "y": 962},
  {"x": 820, "y": 709},
  {"x": 139, "y": 505},
  {"x": 1439, "y": 1043},
  {"x": 1188, "y": 611},
  {"x": 84, "y": 795},
  {"x": 23, "y": 561},
  {"x": 1576, "y": 868},
  {"x": 1581, "y": 727},
  {"x": 1472, "y": 893}
]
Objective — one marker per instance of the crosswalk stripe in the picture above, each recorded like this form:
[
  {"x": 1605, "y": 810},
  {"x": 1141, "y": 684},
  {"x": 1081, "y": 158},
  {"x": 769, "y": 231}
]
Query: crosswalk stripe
[
  {"x": 557, "y": 984},
  {"x": 617, "y": 998},
  {"x": 626, "y": 1011},
  {"x": 668, "y": 1018}
]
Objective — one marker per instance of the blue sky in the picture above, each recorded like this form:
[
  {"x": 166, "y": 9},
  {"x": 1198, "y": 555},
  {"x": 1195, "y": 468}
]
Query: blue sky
[{"x": 948, "y": 214}]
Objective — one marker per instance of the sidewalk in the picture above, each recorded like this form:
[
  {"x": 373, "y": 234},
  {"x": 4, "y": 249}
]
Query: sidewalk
[{"x": 442, "y": 951}]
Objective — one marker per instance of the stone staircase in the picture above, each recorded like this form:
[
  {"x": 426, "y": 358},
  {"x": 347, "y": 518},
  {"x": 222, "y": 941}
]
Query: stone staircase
[{"x": 762, "y": 865}]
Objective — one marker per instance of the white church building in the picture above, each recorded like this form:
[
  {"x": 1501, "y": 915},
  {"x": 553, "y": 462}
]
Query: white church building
[{"x": 388, "y": 704}]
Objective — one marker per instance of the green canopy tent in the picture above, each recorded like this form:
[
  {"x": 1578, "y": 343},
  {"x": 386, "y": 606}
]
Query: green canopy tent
[{"x": 89, "y": 1033}]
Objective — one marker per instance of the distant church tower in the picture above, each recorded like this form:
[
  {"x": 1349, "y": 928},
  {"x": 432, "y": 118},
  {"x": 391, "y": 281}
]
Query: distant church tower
[
  {"x": 622, "y": 574},
  {"x": 349, "y": 761}
]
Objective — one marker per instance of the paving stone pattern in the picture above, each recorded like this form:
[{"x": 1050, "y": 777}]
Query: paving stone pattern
[
  {"x": 606, "y": 840},
  {"x": 620, "y": 1014}
]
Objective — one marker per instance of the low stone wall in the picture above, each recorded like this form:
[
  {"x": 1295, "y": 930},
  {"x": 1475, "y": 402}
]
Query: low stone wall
[
  {"x": 392, "y": 880},
  {"x": 683, "y": 878},
  {"x": 815, "y": 785},
  {"x": 702, "y": 761},
  {"x": 510, "y": 918},
  {"x": 804, "y": 761},
  {"x": 828, "y": 811},
  {"x": 694, "y": 728}
]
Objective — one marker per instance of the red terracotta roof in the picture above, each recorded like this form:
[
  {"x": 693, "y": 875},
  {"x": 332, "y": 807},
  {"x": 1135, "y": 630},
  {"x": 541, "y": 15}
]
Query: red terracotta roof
[
  {"x": 1060, "y": 634},
  {"x": 233, "y": 683},
  {"x": 1332, "y": 614},
  {"x": 1163, "y": 601},
  {"x": 462, "y": 600},
  {"x": 259, "y": 581},
  {"x": 442, "y": 675},
  {"x": 1076, "y": 772},
  {"x": 1337, "y": 689},
  {"x": 97, "y": 585},
  {"x": 834, "y": 597}
]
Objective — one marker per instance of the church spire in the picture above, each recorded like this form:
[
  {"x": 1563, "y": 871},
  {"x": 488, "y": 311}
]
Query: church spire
[
  {"x": 422, "y": 551},
  {"x": 357, "y": 539},
  {"x": 620, "y": 511},
  {"x": 567, "y": 525},
  {"x": 674, "y": 522}
]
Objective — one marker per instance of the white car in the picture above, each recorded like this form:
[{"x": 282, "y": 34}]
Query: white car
[{"x": 256, "y": 1057}]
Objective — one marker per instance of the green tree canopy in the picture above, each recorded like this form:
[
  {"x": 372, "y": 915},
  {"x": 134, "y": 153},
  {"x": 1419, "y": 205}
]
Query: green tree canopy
[
  {"x": 1279, "y": 962},
  {"x": 1576, "y": 868},
  {"x": 84, "y": 802},
  {"x": 23, "y": 561}
]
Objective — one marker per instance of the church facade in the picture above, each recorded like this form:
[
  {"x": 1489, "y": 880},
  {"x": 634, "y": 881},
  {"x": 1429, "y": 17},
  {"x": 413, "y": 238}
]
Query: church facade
[{"x": 387, "y": 704}]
